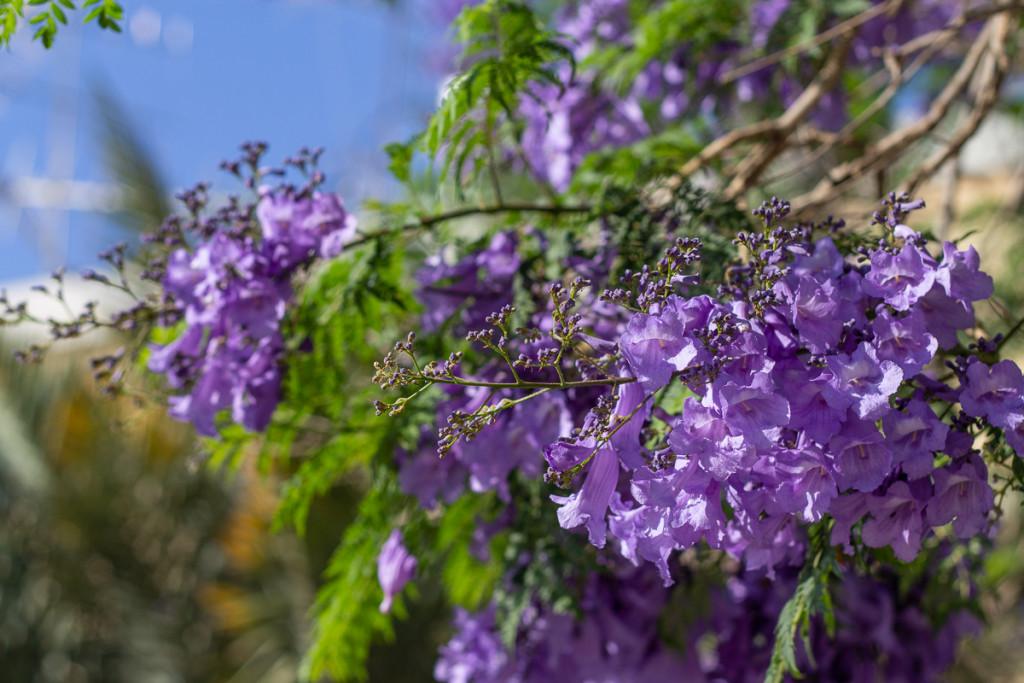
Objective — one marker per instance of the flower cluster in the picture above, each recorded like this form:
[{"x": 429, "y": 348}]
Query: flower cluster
[
  {"x": 231, "y": 288},
  {"x": 591, "y": 114},
  {"x": 881, "y": 634},
  {"x": 475, "y": 286},
  {"x": 810, "y": 388},
  {"x": 616, "y": 640},
  {"x": 810, "y": 396}
]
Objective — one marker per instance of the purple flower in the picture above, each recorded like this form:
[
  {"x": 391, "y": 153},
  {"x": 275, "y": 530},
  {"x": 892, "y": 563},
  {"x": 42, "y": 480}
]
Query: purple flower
[
  {"x": 755, "y": 411},
  {"x": 626, "y": 441},
  {"x": 477, "y": 285},
  {"x": 642, "y": 534},
  {"x": 564, "y": 454},
  {"x": 1013, "y": 427},
  {"x": 904, "y": 340},
  {"x": 823, "y": 263},
  {"x": 176, "y": 360},
  {"x": 428, "y": 477},
  {"x": 944, "y": 316},
  {"x": 816, "y": 406},
  {"x": 656, "y": 345},
  {"x": 512, "y": 444},
  {"x": 847, "y": 510},
  {"x": 915, "y": 436},
  {"x": 261, "y": 376},
  {"x": 395, "y": 568},
  {"x": 210, "y": 394},
  {"x": 962, "y": 496},
  {"x": 961, "y": 276},
  {"x": 992, "y": 392},
  {"x": 678, "y": 507},
  {"x": 699, "y": 517},
  {"x": 862, "y": 458},
  {"x": 869, "y": 381},
  {"x": 815, "y": 314},
  {"x": 232, "y": 290},
  {"x": 899, "y": 279},
  {"x": 704, "y": 436},
  {"x": 806, "y": 486},
  {"x": 896, "y": 520},
  {"x": 746, "y": 354},
  {"x": 763, "y": 17},
  {"x": 589, "y": 505},
  {"x": 475, "y": 654},
  {"x": 564, "y": 125},
  {"x": 297, "y": 228}
]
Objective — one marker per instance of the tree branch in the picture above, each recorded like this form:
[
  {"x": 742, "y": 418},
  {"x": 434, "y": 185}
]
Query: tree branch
[
  {"x": 990, "y": 80},
  {"x": 840, "y": 29},
  {"x": 883, "y": 152},
  {"x": 758, "y": 160},
  {"x": 427, "y": 222}
]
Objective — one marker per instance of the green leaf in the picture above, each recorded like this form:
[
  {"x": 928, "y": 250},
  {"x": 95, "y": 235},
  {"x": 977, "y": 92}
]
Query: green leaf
[
  {"x": 660, "y": 31},
  {"x": 400, "y": 155},
  {"x": 811, "y": 598},
  {"x": 507, "y": 50},
  {"x": 468, "y": 581},
  {"x": 321, "y": 471},
  {"x": 57, "y": 12},
  {"x": 348, "y": 618}
]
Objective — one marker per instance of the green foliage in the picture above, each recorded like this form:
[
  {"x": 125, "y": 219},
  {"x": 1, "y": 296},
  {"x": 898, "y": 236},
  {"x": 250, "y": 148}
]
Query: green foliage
[
  {"x": 543, "y": 565},
  {"x": 506, "y": 48},
  {"x": 661, "y": 30},
  {"x": 48, "y": 15},
  {"x": 642, "y": 226},
  {"x": 811, "y": 598},
  {"x": 652, "y": 157},
  {"x": 351, "y": 447},
  {"x": 107, "y": 13},
  {"x": 11, "y": 12},
  {"x": 348, "y": 618},
  {"x": 400, "y": 155},
  {"x": 468, "y": 582}
]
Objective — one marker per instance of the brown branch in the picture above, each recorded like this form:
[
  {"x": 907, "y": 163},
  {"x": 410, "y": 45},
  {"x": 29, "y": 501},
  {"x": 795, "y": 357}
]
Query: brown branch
[
  {"x": 991, "y": 73},
  {"x": 959, "y": 22},
  {"x": 898, "y": 76},
  {"x": 883, "y": 152},
  {"x": 750, "y": 169},
  {"x": 429, "y": 221},
  {"x": 781, "y": 126},
  {"x": 776, "y": 135},
  {"x": 726, "y": 142},
  {"x": 840, "y": 29}
]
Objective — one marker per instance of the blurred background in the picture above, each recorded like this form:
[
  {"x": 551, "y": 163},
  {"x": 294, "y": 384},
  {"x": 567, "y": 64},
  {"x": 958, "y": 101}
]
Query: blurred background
[{"x": 122, "y": 556}]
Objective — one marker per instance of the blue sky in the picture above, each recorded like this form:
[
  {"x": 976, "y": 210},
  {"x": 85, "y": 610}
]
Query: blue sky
[{"x": 197, "y": 77}]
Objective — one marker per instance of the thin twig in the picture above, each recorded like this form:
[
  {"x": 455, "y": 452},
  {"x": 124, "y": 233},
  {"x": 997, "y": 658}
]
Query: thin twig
[
  {"x": 758, "y": 160},
  {"x": 883, "y": 152},
  {"x": 840, "y": 29},
  {"x": 427, "y": 222},
  {"x": 570, "y": 384},
  {"x": 991, "y": 73}
]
